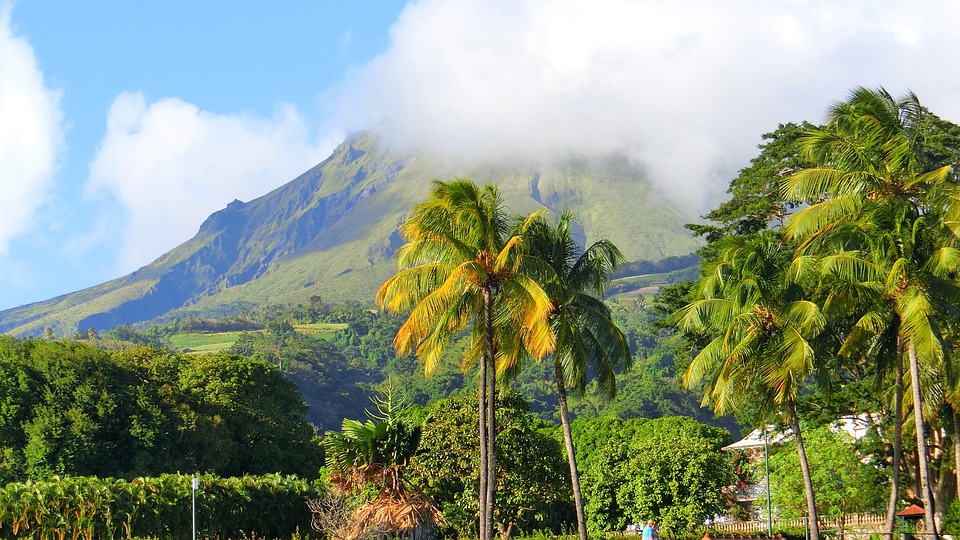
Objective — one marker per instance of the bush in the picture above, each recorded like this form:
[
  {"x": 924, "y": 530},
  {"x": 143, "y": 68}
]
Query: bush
[{"x": 270, "y": 506}]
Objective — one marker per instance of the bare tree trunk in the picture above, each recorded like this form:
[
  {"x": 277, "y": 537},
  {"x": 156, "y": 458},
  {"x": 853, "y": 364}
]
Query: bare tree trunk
[
  {"x": 571, "y": 455},
  {"x": 897, "y": 445},
  {"x": 922, "y": 461},
  {"x": 805, "y": 469}
]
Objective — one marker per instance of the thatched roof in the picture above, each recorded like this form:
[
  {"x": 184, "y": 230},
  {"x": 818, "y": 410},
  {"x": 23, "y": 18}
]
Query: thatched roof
[{"x": 399, "y": 512}]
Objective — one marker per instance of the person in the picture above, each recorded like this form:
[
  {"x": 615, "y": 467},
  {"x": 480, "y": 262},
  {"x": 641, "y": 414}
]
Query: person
[{"x": 650, "y": 531}]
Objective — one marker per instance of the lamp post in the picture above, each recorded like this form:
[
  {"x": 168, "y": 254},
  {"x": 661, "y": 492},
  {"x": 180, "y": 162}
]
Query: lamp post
[
  {"x": 766, "y": 462},
  {"x": 195, "y": 485}
]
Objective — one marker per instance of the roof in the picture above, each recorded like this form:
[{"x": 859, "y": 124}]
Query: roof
[
  {"x": 855, "y": 426},
  {"x": 755, "y": 439},
  {"x": 913, "y": 511}
]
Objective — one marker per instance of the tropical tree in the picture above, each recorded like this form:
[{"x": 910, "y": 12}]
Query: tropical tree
[
  {"x": 846, "y": 482},
  {"x": 376, "y": 453},
  {"x": 752, "y": 305},
  {"x": 533, "y": 489},
  {"x": 587, "y": 340},
  {"x": 884, "y": 206},
  {"x": 460, "y": 265}
]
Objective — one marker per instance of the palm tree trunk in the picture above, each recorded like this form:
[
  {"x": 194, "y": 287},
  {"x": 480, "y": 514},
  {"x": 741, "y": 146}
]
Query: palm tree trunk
[
  {"x": 897, "y": 446},
  {"x": 491, "y": 442},
  {"x": 805, "y": 469},
  {"x": 490, "y": 379},
  {"x": 571, "y": 456},
  {"x": 922, "y": 461},
  {"x": 956, "y": 447},
  {"x": 482, "y": 415}
]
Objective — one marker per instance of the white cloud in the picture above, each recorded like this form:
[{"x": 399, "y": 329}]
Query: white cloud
[
  {"x": 685, "y": 87},
  {"x": 171, "y": 165},
  {"x": 31, "y": 136}
]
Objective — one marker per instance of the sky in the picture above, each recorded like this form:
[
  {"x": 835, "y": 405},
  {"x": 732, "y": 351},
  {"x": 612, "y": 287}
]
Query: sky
[{"x": 123, "y": 125}]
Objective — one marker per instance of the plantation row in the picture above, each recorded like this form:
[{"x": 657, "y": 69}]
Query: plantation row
[{"x": 270, "y": 506}]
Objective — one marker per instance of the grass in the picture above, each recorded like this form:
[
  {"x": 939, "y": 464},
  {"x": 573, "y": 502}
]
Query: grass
[
  {"x": 322, "y": 330},
  {"x": 195, "y": 342},
  {"x": 198, "y": 343}
]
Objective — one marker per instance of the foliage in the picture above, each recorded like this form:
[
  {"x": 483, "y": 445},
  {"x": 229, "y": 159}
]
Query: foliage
[
  {"x": 670, "y": 469},
  {"x": 755, "y": 202},
  {"x": 534, "y": 491},
  {"x": 270, "y": 506},
  {"x": 951, "y": 519},
  {"x": 845, "y": 484},
  {"x": 70, "y": 409}
]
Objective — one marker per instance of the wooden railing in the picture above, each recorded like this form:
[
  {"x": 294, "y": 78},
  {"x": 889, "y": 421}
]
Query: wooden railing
[{"x": 861, "y": 522}]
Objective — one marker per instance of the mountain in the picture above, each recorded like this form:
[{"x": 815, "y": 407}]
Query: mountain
[{"x": 332, "y": 232}]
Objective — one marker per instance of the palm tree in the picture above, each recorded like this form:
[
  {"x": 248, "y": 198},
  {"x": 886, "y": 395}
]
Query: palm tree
[
  {"x": 586, "y": 337},
  {"x": 880, "y": 200},
  {"x": 376, "y": 452},
  {"x": 460, "y": 266},
  {"x": 751, "y": 305}
]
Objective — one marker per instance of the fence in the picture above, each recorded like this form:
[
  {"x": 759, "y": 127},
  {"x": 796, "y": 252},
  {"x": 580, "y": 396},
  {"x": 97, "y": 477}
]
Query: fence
[{"x": 859, "y": 522}]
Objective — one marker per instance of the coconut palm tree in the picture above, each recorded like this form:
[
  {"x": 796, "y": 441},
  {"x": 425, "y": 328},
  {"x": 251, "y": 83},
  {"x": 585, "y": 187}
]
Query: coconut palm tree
[
  {"x": 881, "y": 203},
  {"x": 752, "y": 306},
  {"x": 461, "y": 266},
  {"x": 587, "y": 340}
]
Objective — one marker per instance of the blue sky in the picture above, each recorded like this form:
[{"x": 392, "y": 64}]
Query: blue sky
[{"x": 124, "y": 124}]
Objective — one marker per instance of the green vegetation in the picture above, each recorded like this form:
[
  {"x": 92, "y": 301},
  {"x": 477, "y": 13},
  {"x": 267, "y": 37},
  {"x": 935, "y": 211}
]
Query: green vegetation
[
  {"x": 828, "y": 287},
  {"x": 270, "y": 506},
  {"x": 462, "y": 266},
  {"x": 670, "y": 469},
  {"x": 324, "y": 330},
  {"x": 71, "y": 409},
  {"x": 845, "y": 479},
  {"x": 834, "y": 265},
  {"x": 204, "y": 343}
]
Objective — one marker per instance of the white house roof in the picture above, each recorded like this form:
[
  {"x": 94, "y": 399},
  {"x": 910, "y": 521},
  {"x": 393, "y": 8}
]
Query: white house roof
[
  {"x": 755, "y": 439},
  {"x": 855, "y": 426}
]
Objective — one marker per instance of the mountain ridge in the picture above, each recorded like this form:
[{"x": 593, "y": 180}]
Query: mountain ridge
[{"x": 332, "y": 232}]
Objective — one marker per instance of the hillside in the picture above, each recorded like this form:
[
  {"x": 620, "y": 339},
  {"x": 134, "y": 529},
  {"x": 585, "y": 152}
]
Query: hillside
[{"x": 332, "y": 231}]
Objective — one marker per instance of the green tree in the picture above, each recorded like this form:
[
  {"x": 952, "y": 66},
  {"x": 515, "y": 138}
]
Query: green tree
[
  {"x": 883, "y": 203},
  {"x": 461, "y": 264},
  {"x": 755, "y": 202},
  {"x": 846, "y": 484},
  {"x": 670, "y": 469},
  {"x": 533, "y": 488},
  {"x": 586, "y": 337},
  {"x": 752, "y": 305},
  {"x": 249, "y": 419}
]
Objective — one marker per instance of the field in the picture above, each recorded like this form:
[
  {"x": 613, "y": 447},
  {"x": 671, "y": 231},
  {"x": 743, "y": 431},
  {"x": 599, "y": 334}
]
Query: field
[
  {"x": 324, "y": 330},
  {"x": 200, "y": 343},
  {"x": 195, "y": 342}
]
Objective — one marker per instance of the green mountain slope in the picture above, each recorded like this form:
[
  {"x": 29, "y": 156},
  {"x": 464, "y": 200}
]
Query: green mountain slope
[{"x": 332, "y": 232}]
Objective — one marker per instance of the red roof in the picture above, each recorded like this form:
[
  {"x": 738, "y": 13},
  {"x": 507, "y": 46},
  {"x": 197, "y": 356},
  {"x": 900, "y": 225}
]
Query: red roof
[{"x": 912, "y": 511}]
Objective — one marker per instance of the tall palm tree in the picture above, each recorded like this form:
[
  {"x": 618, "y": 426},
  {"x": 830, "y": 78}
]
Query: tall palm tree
[
  {"x": 877, "y": 196},
  {"x": 751, "y": 305},
  {"x": 461, "y": 266},
  {"x": 587, "y": 340}
]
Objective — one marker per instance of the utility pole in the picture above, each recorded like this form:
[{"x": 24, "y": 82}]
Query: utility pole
[
  {"x": 195, "y": 485},
  {"x": 766, "y": 461}
]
